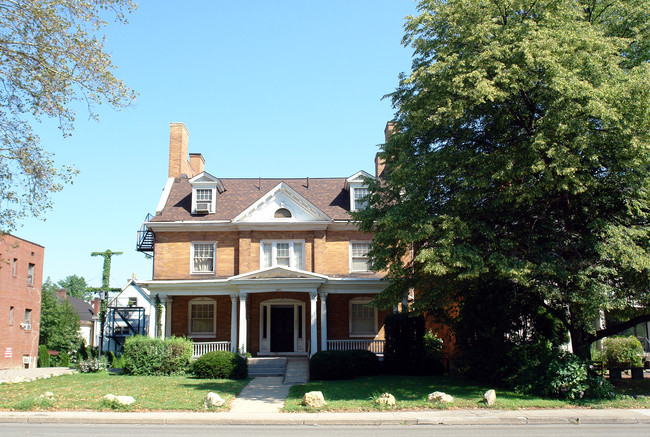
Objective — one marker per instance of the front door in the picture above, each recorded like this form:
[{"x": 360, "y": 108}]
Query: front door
[{"x": 282, "y": 329}]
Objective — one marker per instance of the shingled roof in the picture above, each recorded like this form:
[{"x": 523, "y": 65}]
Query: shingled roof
[{"x": 327, "y": 194}]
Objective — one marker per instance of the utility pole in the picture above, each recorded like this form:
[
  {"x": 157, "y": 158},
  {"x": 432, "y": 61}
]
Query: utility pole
[{"x": 103, "y": 306}]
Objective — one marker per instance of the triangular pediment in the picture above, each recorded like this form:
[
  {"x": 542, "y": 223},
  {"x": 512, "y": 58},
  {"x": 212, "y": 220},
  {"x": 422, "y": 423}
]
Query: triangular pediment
[
  {"x": 278, "y": 273},
  {"x": 359, "y": 178},
  {"x": 206, "y": 179},
  {"x": 294, "y": 207}
]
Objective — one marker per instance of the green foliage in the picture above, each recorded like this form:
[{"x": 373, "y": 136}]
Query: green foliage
[
  {"x": 76, "y": 286},
  {"x": 59, "y": 329},
  {"x": 52, "y": 55},
  {"x": 110, "y": 357},
  {"x": 520, "y": 155},
  {"x": 220, "y": 365},
  {"x": 406, "y": 352},
  {"x": 118, "y": 363},
  {"x": 623, "y": 352},
  {"x": 82, "y": 353},
  {"x": 92, "y": 365},
  {"x": 154, "y": 356},
  {"x": 43, "y": 356},
  {"x": 64, "y": 360},
  {"x": 332, "y": 365}
]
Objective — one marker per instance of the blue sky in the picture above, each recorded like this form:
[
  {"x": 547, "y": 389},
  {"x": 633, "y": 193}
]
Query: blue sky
[{"x": 265, "y": 88}]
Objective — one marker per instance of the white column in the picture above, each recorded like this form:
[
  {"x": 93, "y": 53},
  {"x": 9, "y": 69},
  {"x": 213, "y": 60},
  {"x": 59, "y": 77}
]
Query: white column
[
  {"x": 233, "y": 322},
  {"x": 163, "y": 316},
  {"x": 314, "y": 320},
  {"x": 323, "y": 321},
  {"x": 242, "y": 322},
  {"x": 168, "y": 317}
]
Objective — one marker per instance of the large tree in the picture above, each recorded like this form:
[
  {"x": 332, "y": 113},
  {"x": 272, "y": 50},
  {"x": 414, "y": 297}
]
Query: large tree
[
  {"x": 76, "y": 286},
  {"x": 59, "y": 329},
  {"x": 521, "y": 158},
  {"x": 50, "y": 58}
]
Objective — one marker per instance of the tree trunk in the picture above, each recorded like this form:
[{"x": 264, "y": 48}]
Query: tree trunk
[{"x": 581, "y": 342}]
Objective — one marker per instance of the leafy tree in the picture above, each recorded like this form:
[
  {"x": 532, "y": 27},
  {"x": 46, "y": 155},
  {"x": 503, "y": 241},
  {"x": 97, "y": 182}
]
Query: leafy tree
[
  {"x": 50, "y": 58},
  {"x": 76, "y": 286},
  {"x": 521, "y": 158},
  {"x": 59, "y": 322}
]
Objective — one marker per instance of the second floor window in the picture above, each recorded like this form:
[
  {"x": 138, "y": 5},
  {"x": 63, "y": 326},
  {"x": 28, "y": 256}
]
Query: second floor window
[
  {"x": 203, "y": 257},
  {"x": 28, "y": 320},
  {"x": 359, "y": 260},
  {"x": 30, "y": 274},
  {"x": 283, "y": 253}
]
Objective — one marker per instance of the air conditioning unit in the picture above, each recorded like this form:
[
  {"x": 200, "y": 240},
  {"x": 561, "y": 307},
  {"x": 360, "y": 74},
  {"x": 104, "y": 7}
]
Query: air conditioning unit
[
  {"x": 203, "y": 207},
  {"x": 27, "y": 360},
  {"x": 26, "y": 326}
]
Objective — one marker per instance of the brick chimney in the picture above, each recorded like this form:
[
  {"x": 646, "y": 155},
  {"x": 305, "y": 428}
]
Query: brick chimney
[
  {"x": 178, "y": 163},
  {"x": 380, "y": 164},
  {"x": 197, "y": 162},
  {"x": 62, "y": 293}
]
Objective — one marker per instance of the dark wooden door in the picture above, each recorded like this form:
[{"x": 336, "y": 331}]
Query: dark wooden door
[{"x": 281, "y": 329}]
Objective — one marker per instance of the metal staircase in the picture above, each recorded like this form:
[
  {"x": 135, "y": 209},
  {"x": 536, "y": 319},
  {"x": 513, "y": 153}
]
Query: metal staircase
[{"x": 146, "y": 237}]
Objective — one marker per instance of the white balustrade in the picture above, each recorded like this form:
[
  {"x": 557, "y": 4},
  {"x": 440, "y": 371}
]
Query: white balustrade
[
  {"x": 210, "y": 346},
  {"x": 374, "y": 346}
]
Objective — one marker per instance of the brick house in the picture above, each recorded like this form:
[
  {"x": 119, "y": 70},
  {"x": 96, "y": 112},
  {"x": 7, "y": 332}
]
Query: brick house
[
  {"x": 267, "y": 266},
  {"x": 21, "y": 278}
]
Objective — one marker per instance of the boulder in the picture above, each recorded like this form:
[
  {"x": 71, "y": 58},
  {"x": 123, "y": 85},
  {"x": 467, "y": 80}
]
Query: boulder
[
  {"x": 121, "y": 400},
  {"x": 213, "y": 400},
  {"x": 438, "y": 396},
  {"x": 313, "y": 399},
  {"x": 18, "y": 379},
  {"x": 48, "y": 395},
  {"x": 386, "y": 399},
  {"x": 490, "y": 397}
]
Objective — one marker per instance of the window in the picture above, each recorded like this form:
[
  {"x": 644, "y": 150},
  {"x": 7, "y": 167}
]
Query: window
[
  {"x": 282, "y": 253},
  {"x": 11, "y": 315},
  {"x": 202, "y": 317},
  {"x": 14, "y": 267},
  {"x": 133, "y": 301},
  {"x": 363, "y": 318},
  {"x": 30, "y": 274},
  {"x": 203, "y": 257},
  {"x": 359, "y": 261},
  {"x": 282, "y": 213},
  {"x": 27, "y": 325},
  {"x": 360, "y": 201}
]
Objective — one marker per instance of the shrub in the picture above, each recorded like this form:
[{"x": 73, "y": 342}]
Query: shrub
[
  {"x": 82, "y": 353},
  {"x": 409, "y": 350},
  {"x": 155, "y": 356},
  {"x": 65, "y": 360},
  {"x": 43, "y": 356},
  {"x": 110, "y": 358},
  {"x": 623, "y": 352},
  {"x": 92, "y": 365},
  {"x": 220, "y": 365},
  {"x": 328, "y": 365},
  {"x": 118, "y": 363}
]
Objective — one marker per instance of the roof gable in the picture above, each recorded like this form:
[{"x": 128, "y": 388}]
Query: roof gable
[
  {"x": 282, "y": 196},
  {"x": 277, "y": 273}
]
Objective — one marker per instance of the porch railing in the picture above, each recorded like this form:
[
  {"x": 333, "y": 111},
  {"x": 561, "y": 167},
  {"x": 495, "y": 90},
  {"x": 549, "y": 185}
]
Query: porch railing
[
  {"x": 210, "y": 346},
  {"x": 374, "y": 346}
]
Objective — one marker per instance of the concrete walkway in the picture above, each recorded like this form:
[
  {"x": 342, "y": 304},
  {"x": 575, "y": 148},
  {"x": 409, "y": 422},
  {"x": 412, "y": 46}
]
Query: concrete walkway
[
  {"x": 26, "y": 375},
  {"x": 264, "y": 394}
]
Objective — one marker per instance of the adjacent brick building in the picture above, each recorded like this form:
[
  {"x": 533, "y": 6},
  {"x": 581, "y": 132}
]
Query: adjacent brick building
[
  {"x": 269, "y": 266},
  {"x": 21, "y": 277}
]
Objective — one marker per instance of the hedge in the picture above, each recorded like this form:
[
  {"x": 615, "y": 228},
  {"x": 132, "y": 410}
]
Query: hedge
[
  {"x": 220, "y": 365},
  {"x": 328, "y": 365},
  {"x": 156, "y": 356}
]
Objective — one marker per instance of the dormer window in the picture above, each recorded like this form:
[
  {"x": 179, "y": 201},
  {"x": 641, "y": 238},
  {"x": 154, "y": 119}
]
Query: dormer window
[
  {"x": 360, "y": 198},
  {"x": 204, "y": 193},
  {"x": 203, "y": 200},
  {"x": 357, "y": 185},
  {"x": 282, "y": 213}
]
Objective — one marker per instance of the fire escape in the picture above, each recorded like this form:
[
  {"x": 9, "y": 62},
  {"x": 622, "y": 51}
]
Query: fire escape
[{"x": 146, "y": 238}]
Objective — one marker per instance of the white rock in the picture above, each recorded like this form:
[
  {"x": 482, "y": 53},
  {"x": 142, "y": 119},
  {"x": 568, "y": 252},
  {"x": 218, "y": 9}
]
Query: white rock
[
  {"x": 122, "y": 400},
  {"x": 313, "y": 399},
  {"x": 386, "y": 399},
  {"x": 438, "y": 396},
  {"x": 17, "y": 379},
  {"x": 47, "y": 395},
  {"x": 490, "y": 397},
  {"x": 213, "y": 400}
]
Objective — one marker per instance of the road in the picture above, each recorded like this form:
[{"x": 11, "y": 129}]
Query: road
[{"x": 122, "y": 430}]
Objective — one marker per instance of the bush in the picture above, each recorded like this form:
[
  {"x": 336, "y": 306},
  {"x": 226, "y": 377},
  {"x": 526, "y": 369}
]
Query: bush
[
  {"x": 328, "y": 365},
  {"x": 409, "y": 350},
  {"x": 43, "y": 356},
  {"x": 622, "y": 352},
  {"x": 110, "y": 358},
  {"x": 220, "y": 365},
  {"x": 92, "y": 365},
  {"x": 155, "y": 356},
  {"x": 64, "y": 360},
  {"x": 82, "y": 354}
]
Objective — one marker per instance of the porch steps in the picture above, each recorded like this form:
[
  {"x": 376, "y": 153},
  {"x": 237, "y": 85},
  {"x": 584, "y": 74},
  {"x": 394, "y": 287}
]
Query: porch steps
[
  {"x": 297, "y": 371},
  {"x": 273, "y": 366}
]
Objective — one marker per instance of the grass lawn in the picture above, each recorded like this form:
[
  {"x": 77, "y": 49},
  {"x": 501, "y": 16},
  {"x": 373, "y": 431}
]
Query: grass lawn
[
  {"x": 84, "y": 391},
  {"x": 411, "y": 394}
]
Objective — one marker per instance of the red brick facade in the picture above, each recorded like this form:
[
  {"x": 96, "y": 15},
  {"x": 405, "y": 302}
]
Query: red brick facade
[{"x": 21, "y": 277}]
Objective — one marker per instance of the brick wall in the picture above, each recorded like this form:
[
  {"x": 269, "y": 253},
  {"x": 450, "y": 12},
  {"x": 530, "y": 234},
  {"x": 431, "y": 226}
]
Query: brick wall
[
  {"x": 180, "y": 317},
  {"x": 15, "y": 342}
]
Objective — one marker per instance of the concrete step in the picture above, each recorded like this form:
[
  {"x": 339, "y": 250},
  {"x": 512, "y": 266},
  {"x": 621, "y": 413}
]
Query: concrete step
[
  {"x": 273, "y": 366},
  {"x": 297, "y": 371}
]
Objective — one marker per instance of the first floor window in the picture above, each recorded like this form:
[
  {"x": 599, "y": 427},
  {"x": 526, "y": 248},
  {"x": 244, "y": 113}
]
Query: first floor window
[
  {"x": 363, "y": 318},
  {"x": 202, "y": 318},
  {"x": 359, "y": 260},
  {"x": 203, "y": 257},
  {"x": 283, "y": 253}
]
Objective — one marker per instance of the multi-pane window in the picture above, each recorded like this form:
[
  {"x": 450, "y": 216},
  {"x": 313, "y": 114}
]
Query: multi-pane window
[
  {"x": 203, "y": 257},
  {"x": 283, "y": 253},
  {"x": 363, "y": 318},
  {"x": 203, "y": 195},
  {"x": 30, "y": 274},
  {"x": 202, "y": 318},
  {"x": 28, "y": 319},
  {"x": 359, "y": 261},
  {"x": 360, "y": 201}
]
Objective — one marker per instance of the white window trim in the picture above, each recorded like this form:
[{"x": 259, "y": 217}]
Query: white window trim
[
  {"x": 350, "y": 256},
  {"x": 201, "y": 301},
  {"x": 212, "y": 188},
  {"x": 353, "y": 188},
  {"x": 274, "y": 246},
  {"x": 214, "y": 258},
  {"x": 357, "y": 301}
]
